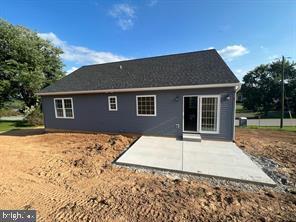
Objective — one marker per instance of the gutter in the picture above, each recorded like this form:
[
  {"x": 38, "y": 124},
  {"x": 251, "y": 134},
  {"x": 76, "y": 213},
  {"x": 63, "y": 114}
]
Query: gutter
[
  {"x": 234, "y": 112},
  {"x": 221, "y": 85}
]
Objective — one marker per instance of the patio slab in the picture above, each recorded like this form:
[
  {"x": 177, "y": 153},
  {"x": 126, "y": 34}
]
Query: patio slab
[{"x": 209, "y": 158}]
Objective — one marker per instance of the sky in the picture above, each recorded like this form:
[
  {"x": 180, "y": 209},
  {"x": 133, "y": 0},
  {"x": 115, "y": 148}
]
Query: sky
[{"x": 246, "y": 33}]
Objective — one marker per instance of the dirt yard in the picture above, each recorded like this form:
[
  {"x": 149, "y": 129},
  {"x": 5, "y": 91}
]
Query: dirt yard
[
  {"x": 277, "y": 146},
  {"x": 69, "y": 177}
]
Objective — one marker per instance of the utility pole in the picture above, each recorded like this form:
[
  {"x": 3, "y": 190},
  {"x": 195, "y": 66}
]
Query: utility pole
[{"x": 283, "y": 92}]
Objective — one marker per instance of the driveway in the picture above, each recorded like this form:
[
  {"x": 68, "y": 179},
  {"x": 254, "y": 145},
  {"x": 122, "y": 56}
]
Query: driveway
[{"x": 209, "y": 158}]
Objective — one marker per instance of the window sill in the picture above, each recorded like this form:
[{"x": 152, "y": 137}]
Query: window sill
[
  {"x": 210, "y": 132},
  {"x": 64, "y": 117}
]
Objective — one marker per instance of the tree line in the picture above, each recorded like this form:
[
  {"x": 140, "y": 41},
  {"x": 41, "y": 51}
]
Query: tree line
[{"x": 261, "y": 88}]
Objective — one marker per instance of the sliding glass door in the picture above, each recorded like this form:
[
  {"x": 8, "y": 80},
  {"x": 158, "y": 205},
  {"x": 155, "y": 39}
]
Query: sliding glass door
[
  {"x": 209, "y": 114},
  {"x": 201, "y": 114}
]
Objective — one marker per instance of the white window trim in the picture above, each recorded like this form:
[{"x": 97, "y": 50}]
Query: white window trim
[
  {"x": 109, "y": 103},
  {"x": 64, "y": 110},
  {"x": 218, "y": 113},
  {"x": 155, "y": 104}
]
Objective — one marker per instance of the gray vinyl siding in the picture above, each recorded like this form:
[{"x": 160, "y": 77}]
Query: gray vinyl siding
[{"x": 92, "y": 114}]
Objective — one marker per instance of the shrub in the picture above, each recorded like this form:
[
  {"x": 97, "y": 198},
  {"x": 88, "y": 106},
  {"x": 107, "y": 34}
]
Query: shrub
[
  {"x": 34, "y": 116},
  {"x": 9, "y": 112},
  {"x": 11, "y": 108}
]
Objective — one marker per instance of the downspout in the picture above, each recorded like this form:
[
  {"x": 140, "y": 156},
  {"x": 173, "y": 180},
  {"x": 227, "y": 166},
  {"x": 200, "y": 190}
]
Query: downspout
[{"x": 237, "y": 88}]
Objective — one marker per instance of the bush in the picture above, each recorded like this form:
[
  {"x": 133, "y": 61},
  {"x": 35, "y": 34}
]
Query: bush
[
  {"x": 12, "y": 108},
  {"x": 9, "y": 112},
  {"x": 34, "y": 116}
]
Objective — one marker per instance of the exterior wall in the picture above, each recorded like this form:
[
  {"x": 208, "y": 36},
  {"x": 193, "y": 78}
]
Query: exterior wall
[{"x": 92, "y": 114}]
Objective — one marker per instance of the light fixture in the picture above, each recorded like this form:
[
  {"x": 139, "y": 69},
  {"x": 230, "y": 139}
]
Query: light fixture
[{"x": 177, "y": 99}]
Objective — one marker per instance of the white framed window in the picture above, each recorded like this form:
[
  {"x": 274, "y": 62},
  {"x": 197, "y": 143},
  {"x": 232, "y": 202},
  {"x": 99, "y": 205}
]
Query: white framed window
[
  {"x": 64, "y": 108},
  {"x": 146, "y": 105},
  {"x": 112, "y": 103},
  {"x": 209, "y": 114}
]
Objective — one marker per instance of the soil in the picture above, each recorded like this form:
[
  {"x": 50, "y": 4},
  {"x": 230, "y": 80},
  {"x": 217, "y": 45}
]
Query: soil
[
  {"x": 276, "y": 149},
  {"x": 70, "y": 177}
]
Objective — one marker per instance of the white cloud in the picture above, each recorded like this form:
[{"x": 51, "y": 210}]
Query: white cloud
[
  {"x": 79, "y": 54},
  {"x": 72, "y": 69},
  {"x": 224, "y": 28},
  {"x": 273, "y": 58},
  {"x": 233, "y": 51},
  {"x": 152, "y": 3},
  {"x": 124, "y": 14},
  {"x": 240, "y": 72}
]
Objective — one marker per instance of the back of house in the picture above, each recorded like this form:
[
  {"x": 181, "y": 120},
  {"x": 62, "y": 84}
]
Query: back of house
[{"x": 172, "y": 95}]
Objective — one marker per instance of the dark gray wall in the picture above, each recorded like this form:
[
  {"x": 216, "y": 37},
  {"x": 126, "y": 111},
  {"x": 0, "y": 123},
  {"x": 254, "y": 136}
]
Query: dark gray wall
[{"x": 92, "y": 114}]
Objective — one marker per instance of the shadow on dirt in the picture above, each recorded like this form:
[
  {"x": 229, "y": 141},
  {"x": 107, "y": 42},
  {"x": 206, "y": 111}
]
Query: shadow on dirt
[{"x": 23, "y": 132}]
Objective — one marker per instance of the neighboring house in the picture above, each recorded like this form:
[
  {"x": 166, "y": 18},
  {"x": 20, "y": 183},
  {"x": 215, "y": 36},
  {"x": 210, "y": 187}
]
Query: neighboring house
[{"x": 164, "y": 95}]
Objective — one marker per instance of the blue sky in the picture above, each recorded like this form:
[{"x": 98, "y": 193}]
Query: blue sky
[{"x": 246, "y": 33}]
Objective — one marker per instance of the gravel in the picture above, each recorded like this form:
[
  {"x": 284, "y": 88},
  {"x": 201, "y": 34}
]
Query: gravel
[
  {"x": 270, "y": 167},
  {"x": 214, "y": 181}
]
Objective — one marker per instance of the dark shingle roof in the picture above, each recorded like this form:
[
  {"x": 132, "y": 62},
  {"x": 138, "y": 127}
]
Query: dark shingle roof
[{"x": 193, "y": 68}]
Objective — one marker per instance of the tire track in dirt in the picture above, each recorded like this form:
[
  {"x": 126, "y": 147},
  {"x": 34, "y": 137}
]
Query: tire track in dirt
[{"x": 69, "y": 177}]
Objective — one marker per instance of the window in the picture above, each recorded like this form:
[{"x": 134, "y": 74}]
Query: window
[
  {"x": 209, "y": 114},
  {"x": 64, "y": 108},
  {"x": 146, "y": 105},
  {"x": 112, "y": 100}
]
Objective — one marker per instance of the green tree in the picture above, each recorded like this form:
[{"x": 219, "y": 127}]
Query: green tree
[
  {"x": 27, "y": 63},
  {"x": 261, "y": 89}
]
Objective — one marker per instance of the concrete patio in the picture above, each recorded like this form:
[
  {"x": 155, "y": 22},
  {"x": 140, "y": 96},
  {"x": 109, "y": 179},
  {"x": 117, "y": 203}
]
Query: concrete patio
[{"x": 209, "y": 158}]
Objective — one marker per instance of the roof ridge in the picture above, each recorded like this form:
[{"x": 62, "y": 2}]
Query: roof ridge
[{"x": 152, "y": 57}]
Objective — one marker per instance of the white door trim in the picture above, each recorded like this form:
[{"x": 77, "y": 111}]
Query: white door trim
[{"x": 197, "y": 116}]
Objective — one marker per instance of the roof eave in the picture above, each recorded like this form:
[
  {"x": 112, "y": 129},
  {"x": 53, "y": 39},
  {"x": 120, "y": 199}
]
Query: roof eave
[{"x": 220, "y": 85}]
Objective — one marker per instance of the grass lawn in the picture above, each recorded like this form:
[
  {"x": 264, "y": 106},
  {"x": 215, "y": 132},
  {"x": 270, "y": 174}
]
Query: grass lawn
[
  {"x": 10, "y": 125},
  {"x": 285, "y": 128},
  {"x": 239, "y": 107}
]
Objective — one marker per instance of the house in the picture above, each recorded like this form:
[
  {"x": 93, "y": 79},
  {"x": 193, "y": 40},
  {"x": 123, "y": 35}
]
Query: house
[{"x": 165, "y": 95}]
